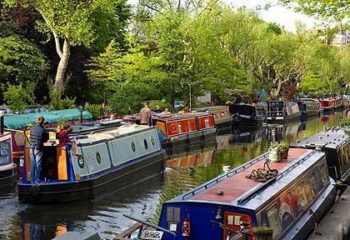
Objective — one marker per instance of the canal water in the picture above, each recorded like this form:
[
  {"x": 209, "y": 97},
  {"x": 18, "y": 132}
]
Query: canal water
[{"x": 185, "y": 171}]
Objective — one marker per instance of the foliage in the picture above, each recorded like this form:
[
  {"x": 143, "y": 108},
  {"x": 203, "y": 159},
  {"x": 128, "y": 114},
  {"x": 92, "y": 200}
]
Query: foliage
[
  {"x": 95, "y": 110},
  {"x": 58, "y": 103},
  {"x": 17, "y": 98},
  {"x": 21, "y": 62},
  {"x": 161, "y": 103}
]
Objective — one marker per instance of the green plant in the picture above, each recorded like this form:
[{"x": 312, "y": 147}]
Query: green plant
[
  {"x": 161, "y": 103},
  {"x": 57, "y": 103},
  {"x": 95, "y": 109},
  {"x": 17, "y": 98}
]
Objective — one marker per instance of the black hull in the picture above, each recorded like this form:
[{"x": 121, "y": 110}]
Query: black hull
[
  {"x": 224, "y": 127},
  {"x": 247, "y": 123},
  {"x": 8, "y": 179},
  {"x": 191, "y": 141},
  {"x": 139, "y": 171}
]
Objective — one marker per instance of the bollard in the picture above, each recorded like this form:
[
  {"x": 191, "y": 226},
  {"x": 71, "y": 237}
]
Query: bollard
[{"x": 263, "y": 233}]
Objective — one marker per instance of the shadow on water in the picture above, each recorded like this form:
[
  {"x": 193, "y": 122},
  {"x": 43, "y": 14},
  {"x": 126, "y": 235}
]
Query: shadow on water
[{"x": 183, "y": 172}]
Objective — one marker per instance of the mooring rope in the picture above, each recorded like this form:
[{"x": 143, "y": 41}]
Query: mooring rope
[{"x": 263, "y": 174}]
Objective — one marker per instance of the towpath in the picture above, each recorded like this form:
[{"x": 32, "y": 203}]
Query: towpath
[{"x": 335, "y": 222}]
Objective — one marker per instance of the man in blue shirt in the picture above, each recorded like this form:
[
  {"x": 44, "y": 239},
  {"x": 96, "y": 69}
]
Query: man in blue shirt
[{"x": 38, "y": 135}]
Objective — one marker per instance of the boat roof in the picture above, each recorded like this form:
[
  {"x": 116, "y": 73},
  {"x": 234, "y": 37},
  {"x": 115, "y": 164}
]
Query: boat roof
[
  {"x": 233, "y": 188},
  {"x": 175, "y": 117},
  {"x": 111, "y": 134},
  {"x": 95, "y": 126},
  {"x": 72, "y": 114},
  {"x": 333, "y": 138},
  {"x": 211, "y": 108}
]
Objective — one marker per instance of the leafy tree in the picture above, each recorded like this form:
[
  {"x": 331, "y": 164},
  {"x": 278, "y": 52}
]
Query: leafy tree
[
  {"x": 88, "y": 23},
  {"x": 336, "y": 10},
  {"x": 17, "y": 98},
  {"x": 21, "y": 62}
]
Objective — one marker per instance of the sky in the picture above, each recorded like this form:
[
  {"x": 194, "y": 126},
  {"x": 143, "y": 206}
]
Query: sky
[{"x": 278, "y": 14}]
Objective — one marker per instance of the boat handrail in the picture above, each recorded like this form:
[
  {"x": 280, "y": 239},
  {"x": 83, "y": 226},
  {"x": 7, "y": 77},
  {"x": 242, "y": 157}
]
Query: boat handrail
[
  {"x": 230, "y": 173},
  {"x": 255, "y": 191}
]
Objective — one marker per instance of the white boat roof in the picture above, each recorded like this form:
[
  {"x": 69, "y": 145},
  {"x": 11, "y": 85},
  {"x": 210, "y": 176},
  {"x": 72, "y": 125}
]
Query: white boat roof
[{"x": 111, "y": 134}]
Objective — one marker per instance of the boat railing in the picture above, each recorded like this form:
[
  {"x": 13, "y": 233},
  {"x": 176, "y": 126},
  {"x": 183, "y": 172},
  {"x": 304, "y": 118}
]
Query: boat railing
[
  {"x": 226, "y": 175},
  {"x": 262, "y": 186}
]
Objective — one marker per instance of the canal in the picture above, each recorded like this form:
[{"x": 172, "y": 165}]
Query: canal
[{"x": 105, "y": 215}]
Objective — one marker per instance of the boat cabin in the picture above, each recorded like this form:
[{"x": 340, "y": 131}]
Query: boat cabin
[
  {"x": 91, "y": 164},
  {"x": 327, "y": 104},
  {"x": 309, "y": 106},
  {"x": 233, "y": 206},
  {"x": 281, "y": 111},
  {"x": 336, "y": 144},
  {"x": 247, "y": 114},
  {"x": 222, "y": 115},
  {"x": 8, "y": 171}
]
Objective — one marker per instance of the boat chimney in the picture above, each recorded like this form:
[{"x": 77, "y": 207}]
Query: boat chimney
[{"x": 2, "y": 113}]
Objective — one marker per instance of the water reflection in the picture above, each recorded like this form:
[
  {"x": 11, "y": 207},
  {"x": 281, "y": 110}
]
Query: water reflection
[{"x": 105, "y": 215}]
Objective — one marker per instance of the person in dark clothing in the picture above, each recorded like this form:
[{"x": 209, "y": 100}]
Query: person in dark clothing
[{"x": 38, "y": 135}]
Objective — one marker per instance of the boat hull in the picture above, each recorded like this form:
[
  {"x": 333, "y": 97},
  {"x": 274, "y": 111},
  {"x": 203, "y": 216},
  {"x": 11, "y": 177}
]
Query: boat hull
[
  {"x": 284, "y": 119},
  {"x": 8, "y": 178},
  {"x": 189, "y": 141},
  {"x": 113, "y": 179}
]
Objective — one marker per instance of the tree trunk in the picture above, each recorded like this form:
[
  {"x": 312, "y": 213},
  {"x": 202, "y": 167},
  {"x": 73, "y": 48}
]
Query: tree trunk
[{"x": 60, "y": 82}]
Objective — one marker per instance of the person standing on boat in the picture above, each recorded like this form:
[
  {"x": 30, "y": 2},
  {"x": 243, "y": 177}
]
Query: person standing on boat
[
  {"x": 38, "y": 135},
  {"x": 145, "y": 114}
]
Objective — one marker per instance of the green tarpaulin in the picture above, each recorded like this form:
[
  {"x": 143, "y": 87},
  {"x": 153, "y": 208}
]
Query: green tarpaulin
[
  {"x": 19, "y": 121},
  {"x": 72, "y": 114}
]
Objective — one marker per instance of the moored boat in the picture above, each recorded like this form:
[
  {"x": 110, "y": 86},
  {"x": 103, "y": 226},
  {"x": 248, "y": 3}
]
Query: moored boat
[
  {"x": 8, "y": 171},
  {"x": 232, "y": 206},
  {"x": 248, "y": 115},
  {"x": 309, "y": 107},
  {"x": 336, "y": 144},
  {"x": 185, "y": 132},
  {"x": 282, "y": 111},
  {"x": 327, "y": 104},
  {"x": 222, "y": 116},
  {"x": 94, "y": 164}
]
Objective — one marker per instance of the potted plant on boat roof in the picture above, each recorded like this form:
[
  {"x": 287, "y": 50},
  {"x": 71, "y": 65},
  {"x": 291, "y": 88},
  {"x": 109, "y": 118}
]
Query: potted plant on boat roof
[
  {"x": 284, "y": 148},
  {"x": 278, "y": 151}
]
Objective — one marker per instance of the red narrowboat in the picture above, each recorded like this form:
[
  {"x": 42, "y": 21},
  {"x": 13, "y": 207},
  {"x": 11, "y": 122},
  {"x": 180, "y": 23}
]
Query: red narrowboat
[
  {"x": 182, "y": 132},
  {"x": 222, "y": 116},
  {"x": 327, "y": 104}
]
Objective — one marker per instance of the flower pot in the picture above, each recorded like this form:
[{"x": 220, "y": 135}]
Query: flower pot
[
  {"x": 275, "y": 155},
  {"x": 285, "y": 153}
]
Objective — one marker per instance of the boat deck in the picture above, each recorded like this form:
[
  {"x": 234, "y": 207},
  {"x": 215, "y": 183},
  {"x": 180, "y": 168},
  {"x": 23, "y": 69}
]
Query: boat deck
[{"x": 237, "y": 185}]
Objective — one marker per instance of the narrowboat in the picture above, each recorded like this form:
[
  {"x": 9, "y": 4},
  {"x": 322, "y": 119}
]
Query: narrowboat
[
  {"x": 309, "y": 107},
  {"x": 8, "y": 172},
  {"x": 185, "y": 132},
  {"x": 94, "y": 164},
  {"x": 327, "y": 104},
  {"x": 222, "y": 116},
  {"x": 282, "y": 111},
  {"x": 336, "y": 144},
  {"x": 345, "y": 103},
  {"x": 234, "y": 206},
  {"x": 247, "y": 115}
]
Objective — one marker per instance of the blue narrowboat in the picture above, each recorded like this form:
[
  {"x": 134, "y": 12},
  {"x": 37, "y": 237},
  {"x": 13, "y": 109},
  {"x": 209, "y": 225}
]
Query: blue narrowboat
[
  {"x": 94, "y": 164},
  {"x": 336, "y": 144},
  {"x": 233, "y": 206},
  {"x": 8, "y": 171}
]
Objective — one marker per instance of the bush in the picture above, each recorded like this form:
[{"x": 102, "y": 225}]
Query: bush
[
  {"x": 161, "y": 103},
  {"x": 17, "y": 98},
  {"x": 58, "y": 104},
  {"x": 95, "y": 110}
]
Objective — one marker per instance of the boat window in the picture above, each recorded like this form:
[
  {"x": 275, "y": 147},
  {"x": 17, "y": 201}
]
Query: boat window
[
  {"x": 5, "y": 152},
  {"x": 173, "y": 214},
  {"x": 309, "y": 187},
  {"x": 80, "y": 161},
  {"x": 234, "y": 220},
  {"x": 145, "y": 143},
  {"x": 133, "y": 147}
]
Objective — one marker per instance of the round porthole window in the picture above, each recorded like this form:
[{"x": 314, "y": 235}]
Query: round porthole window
[
  {"x": 133, "y": 147},
  {"x": 98, "y": 157},
  {"x": 146, "y": 144},
  {"x": 81, "y": 161},
  {"x": 153, "y": 140}
]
